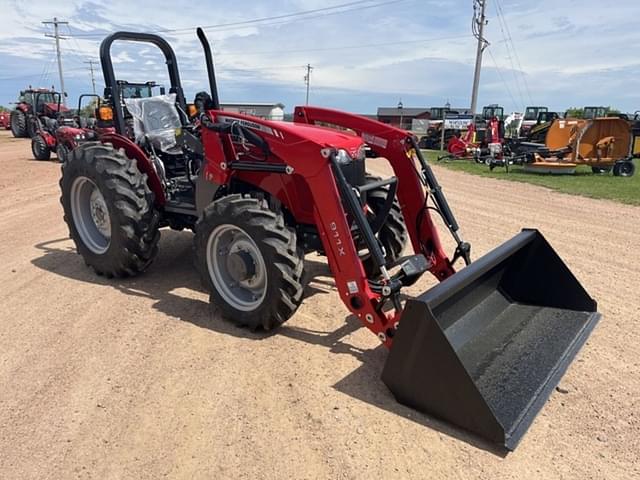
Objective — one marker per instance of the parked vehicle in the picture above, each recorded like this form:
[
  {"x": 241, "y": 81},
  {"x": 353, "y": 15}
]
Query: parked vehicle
[
  {"x": 483, "y": 349},
  {"x": 34, "y": 105}
]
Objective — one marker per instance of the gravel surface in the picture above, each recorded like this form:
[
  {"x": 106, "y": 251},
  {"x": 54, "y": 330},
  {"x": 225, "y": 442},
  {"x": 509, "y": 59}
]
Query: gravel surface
[{"x": 140, "y": 378}]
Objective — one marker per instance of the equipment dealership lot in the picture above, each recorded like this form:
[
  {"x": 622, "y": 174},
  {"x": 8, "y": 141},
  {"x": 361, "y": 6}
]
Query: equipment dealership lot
[{"x": 141, "y": 379}]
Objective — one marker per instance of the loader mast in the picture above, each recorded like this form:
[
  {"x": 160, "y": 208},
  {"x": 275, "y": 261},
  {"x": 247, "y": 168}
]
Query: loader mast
[{"x": 401, "y": 150}]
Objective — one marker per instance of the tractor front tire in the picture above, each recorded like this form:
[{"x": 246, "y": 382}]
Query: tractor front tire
[
  {"x": 32, "y": 126},
  {"x": 109, "y": 210},
  {"x": 249, "y": 261},
  {"x": 393, "y": 235},
  {"x": 39, "y": 148},
  {"x": 600, "y": 170},
  {"x": 62, "y": 152},
  {"x": 18, "y": 124}
]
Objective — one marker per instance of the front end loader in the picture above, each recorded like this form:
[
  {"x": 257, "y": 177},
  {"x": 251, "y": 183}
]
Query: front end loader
[{"x": 482, "y": 350}]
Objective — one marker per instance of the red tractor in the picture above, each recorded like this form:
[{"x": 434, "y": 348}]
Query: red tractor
[
  {"x": 33, "y": 105},
  {"x": 65, "y": 135},
  {"x": 483, "y": 349},
  {"x": 57, "y": 131},
  {"x": 5, "y": 119}
]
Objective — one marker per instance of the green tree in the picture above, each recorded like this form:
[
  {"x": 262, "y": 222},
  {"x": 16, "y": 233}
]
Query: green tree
[
  {"x": 89, "y": 110},
  {"x": 574, "y": 112}
]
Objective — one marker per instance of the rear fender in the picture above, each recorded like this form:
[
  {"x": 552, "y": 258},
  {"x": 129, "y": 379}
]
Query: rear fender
[
  {"x": 285, "y": 146},
  {"x": 134, "y": 152},
  {"x": 49, "y": 139}
]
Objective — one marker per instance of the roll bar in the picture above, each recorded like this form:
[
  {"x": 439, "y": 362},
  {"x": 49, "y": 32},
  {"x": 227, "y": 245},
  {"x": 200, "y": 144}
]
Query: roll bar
[{"x": 111, "y": 85}]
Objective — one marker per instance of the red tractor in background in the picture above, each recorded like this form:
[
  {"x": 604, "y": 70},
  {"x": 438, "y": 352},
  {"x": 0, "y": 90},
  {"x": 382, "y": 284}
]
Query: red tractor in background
[
  {"x": 56, "y": 130},
  {"x": 33, "y": 105},
  {"x": 64, "y": 133},
  {"x": 5, "y": 120},
  {"x": 483, "y": 349}
]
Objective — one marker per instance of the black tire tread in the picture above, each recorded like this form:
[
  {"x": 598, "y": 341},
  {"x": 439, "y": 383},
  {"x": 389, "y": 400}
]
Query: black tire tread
[
  {"x": 22, "y": 124},
  {"x": 131, "y": 207},
  {"x": 285, "y": 262},
  {"x": 393, "y": 234},
  {"x": 39, "y": 148}
]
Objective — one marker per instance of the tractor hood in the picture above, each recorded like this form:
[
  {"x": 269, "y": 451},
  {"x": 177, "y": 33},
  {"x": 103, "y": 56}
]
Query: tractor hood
[
  {"x": 54, "y": 108},
  {"x": 288, "y": 132}
]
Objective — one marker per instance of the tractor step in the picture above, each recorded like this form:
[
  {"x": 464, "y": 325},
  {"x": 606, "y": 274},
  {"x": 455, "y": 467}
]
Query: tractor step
[{"x": 485, "y": 348}]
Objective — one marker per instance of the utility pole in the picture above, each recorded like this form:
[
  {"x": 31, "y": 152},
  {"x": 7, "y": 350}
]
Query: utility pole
[
  {"x": 93, "y": 78},
  {"x": 57, "y": 36},
  {"x": 477, "y": 26},
  {"x": 307, "y": 81}
]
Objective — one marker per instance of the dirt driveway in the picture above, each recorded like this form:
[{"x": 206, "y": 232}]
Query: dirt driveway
[{"x": 141, "y": 379}]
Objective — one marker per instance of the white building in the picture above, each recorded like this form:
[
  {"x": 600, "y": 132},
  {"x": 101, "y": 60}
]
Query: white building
[{"x": 268, "y": 111}]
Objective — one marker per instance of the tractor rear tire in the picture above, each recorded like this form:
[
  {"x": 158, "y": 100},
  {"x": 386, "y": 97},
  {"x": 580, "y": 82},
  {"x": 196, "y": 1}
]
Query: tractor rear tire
[
  {"x": 393, "y": 234},
  {"x": 18, "y": 124},
  {"x": 624, "y": 169},
  {"x": 39, "y": 148},
  {"x": 249, "y": 261},
  {"x": 109, "y": 210}
]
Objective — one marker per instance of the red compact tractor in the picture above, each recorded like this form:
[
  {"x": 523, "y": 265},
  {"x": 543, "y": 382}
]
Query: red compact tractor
[
  {"x": 55, "y": 130},
  {"x": 483, "y": 349}
]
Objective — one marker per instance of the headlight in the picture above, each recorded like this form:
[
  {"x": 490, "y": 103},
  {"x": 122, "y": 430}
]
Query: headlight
[
  {"x": 342, "y": 157},
  {"x": 79, "y": 136}
]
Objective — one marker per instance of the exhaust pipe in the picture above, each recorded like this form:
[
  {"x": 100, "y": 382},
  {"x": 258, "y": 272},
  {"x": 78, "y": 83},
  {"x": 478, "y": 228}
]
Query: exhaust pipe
[
  {"x": 485, "y": 348},
  {"x": 211, "y": 73}
]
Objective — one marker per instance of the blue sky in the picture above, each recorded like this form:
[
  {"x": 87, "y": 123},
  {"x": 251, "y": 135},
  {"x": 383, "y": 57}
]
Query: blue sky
[{"x": 567, "y": 52}]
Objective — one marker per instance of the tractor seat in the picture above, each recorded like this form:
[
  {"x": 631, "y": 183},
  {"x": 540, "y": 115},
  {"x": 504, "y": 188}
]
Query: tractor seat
[
  {"x": 155, "y": 120},
  {"x": 50, "y": 124}
]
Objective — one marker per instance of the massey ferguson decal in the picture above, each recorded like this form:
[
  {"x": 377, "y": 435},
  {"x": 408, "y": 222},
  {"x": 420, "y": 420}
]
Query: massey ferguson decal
[{"x": 373, "y": 140}]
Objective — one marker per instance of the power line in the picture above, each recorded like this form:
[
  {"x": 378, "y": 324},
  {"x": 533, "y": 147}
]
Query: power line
[
  {"x": 273, "y": 20},
  {"x": 345, "y": 47},
  {"x": 506, "y": 85},
  {"x": 524, "y": 77},
  {"x": 501, "y": 24},
  {"x": 46, "y": 66},
  {"x": 38, "y": 75}
]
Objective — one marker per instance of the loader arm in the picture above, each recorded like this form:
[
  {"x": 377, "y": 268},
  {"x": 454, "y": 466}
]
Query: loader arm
[{"x": 401, "y": 150}]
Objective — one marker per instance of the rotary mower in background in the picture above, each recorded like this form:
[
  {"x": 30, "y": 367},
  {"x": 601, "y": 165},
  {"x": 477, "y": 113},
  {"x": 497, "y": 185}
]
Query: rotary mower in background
[{"x": 482, "y": 350}]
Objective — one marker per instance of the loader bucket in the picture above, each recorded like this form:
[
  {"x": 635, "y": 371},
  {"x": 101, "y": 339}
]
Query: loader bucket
[{"x": 485, "y": 348}]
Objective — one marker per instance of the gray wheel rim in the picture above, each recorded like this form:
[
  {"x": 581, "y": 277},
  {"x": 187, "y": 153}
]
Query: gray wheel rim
[
  {"x": 90, "y": 215},
  {"x": 244, "y": 293}
]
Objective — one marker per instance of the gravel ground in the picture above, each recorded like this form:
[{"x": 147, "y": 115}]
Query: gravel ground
[{"x": 141, "y": 379}]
